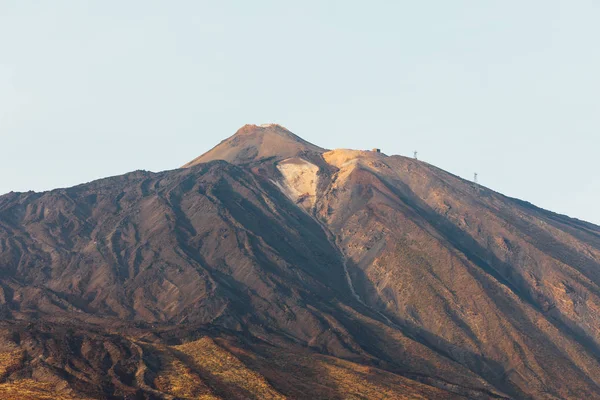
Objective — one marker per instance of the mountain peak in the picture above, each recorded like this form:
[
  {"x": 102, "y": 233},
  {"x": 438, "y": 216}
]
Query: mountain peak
[
  {"x": 258, "y": 142},
  {"x": 396, "y": 278}
]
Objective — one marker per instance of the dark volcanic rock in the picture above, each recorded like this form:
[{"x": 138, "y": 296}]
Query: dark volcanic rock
[{"x": 289, "y": 270}]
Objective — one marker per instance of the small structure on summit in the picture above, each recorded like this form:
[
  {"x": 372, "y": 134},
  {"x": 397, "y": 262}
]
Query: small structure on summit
[{"x": 376, "y": 150}]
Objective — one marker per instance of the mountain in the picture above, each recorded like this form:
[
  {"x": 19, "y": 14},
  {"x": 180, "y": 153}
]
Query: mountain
[
  {"x": 272, "y": 268},
  {"x": 254, "y": 143}
]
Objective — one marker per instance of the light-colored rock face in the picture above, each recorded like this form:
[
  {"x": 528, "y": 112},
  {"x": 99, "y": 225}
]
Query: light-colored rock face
[
  {"x": 300, "y": 177},
  {"x": 299, "y": 181},
  {"x": 345, "y": 158},
  {"x": 346, "y": 161},
  {"x": 342, "y": 157}
]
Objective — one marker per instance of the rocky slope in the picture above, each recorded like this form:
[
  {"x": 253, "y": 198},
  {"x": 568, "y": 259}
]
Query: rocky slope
[{"x": 272, "y": 268}]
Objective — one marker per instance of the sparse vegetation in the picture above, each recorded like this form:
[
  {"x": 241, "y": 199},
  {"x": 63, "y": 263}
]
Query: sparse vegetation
[{"x": 451, "y": 291}]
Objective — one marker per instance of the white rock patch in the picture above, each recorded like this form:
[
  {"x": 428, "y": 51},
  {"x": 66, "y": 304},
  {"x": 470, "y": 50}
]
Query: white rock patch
[{"x": 299, "y": 181}]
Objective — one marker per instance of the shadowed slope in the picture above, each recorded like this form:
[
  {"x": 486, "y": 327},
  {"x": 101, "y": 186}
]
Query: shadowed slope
[
  {"x": 163, "y": 257},
  {"x": 288, "y": 271},
  {"x": 507, "y": 290}
]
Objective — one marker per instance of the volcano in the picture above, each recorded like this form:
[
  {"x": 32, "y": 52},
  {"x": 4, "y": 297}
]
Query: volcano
[{"x": 271, "y": 268}]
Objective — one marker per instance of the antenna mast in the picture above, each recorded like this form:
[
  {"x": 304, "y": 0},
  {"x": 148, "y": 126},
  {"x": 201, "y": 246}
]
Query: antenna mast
[
  {"x": 415, "y": 155},
  {"x": 475, "y": 178}
]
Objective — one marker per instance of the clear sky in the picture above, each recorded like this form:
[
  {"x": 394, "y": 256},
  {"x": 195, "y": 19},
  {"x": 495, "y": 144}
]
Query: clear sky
[{"x": 506, "y": 88}]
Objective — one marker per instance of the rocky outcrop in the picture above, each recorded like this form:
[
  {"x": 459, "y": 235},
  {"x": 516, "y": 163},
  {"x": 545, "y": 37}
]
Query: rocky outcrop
[{"x": 272, "y": 268}]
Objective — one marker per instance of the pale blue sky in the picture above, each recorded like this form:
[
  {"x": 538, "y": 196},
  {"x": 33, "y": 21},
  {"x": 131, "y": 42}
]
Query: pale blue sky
[{"x": 510, "y": 89}]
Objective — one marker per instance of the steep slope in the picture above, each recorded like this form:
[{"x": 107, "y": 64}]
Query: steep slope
[
  {"x": 506, "y": 289},
  {"x": 164, "y": 258},
  {"x": 272, "y": 268},
  {"x": 272, "y": 151},
  {"x": 181, "y": 245}
]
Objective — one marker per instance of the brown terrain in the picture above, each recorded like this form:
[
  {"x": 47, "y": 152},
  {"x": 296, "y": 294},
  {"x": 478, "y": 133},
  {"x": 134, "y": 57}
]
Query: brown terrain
[{"x": 270, "y": 268}]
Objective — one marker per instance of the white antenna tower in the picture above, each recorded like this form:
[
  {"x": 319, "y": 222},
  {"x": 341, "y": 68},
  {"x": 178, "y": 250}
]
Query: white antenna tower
[{"x": 475, "y": 178}]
